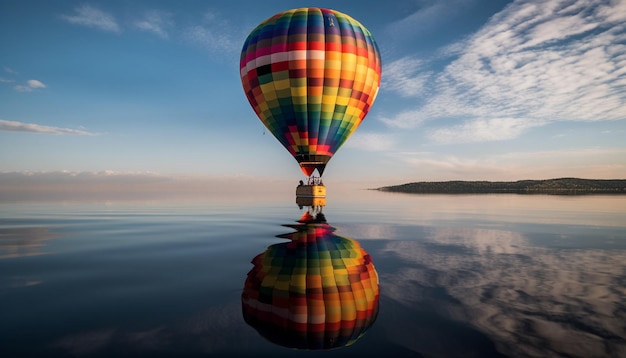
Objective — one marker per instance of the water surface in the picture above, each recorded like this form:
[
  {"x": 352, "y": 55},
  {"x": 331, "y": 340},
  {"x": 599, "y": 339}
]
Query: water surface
[{"x": 459, "y": 276}]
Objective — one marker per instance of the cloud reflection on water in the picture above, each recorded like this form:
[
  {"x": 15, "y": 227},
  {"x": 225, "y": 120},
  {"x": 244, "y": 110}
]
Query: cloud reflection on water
[
  {"x": 24, "y": 241},
  {"x": 532, "y": 301}
]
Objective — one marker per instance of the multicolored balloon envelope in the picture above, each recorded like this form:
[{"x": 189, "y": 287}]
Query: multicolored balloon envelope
[
  {"x": 318, "y": 291},
  {"x": 311, "y": 75}
]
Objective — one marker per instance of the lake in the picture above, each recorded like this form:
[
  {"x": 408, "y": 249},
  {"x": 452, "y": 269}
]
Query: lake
[{"x": 369, "y": 274}]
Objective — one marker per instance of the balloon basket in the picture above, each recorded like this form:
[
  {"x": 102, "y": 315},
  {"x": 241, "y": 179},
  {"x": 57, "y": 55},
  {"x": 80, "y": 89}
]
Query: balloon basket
[
  {"x": 312, "y": 195},
  {"x": 311, "y": 191}
]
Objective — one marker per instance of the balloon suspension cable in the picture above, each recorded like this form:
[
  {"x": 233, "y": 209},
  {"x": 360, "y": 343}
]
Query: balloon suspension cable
[{"x": 313, "y": 180}]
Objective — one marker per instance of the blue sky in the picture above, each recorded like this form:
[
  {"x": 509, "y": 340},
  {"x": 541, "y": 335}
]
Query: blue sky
[{"x": 473, "y": 90}]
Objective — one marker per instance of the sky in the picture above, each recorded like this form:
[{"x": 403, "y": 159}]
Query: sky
[{"x": 471, "y": 90}]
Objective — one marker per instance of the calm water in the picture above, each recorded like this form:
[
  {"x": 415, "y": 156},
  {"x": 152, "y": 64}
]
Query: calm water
[{"x": 459, "y": 276}]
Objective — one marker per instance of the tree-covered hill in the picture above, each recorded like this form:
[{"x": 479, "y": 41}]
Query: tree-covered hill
[{"x": 562, "y": 186}]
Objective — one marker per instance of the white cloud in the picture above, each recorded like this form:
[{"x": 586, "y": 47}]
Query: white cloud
[
  {"x": 87, "y": 15},
  {"x": 10, "y": 70},
  {"x": 370, "y": 141},
  {"x": 615, "y": 12},
  {"x": 29, "y": 86},
  {"x": 13, "y": 126},
  {"x": 35, "y": 84},
  {"x": 156, "y": 22},
  {"x": 533, "y": 63},
  {"x": 6, "y": 80}
]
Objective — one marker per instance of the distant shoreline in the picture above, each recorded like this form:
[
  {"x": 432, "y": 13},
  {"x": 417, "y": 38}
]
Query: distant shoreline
[{"x": 560, "y": 186}]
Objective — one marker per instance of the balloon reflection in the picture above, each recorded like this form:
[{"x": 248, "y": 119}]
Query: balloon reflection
[{"x": 317, "y": 291}]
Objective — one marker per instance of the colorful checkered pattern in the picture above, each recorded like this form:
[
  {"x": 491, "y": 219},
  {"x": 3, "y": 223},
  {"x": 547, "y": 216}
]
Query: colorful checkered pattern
[
  {"x": 311, "y": 75},
  {"x": 318, "y": 291}
]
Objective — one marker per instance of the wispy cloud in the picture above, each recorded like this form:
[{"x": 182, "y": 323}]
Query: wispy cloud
[
  {"x": 406, "y": 76},
  {"x": 429, "y": 16},
  {"x": 157, "y": 22},
  {"x": 533, "y": 63},
  {"x": 13, "y": 126},
  {"x": 216, "y": 35},
  {"x": 434, "y": 166},
  {"x": 87, "y": 15},
  {"x": 29, "y": 86},
  {"x": 11, "y": 73},
  {"x": 483, "y": 130},
  {"x": 584, "y": 163},
  {"x": 213, "y": 32},
  {"x": 371, "y": 141}
]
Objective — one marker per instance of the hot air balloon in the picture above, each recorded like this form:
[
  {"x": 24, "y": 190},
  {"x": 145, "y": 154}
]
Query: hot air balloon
[
  {"x": 311, "y": 75},
  {"x": 317, "y": 291}
]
